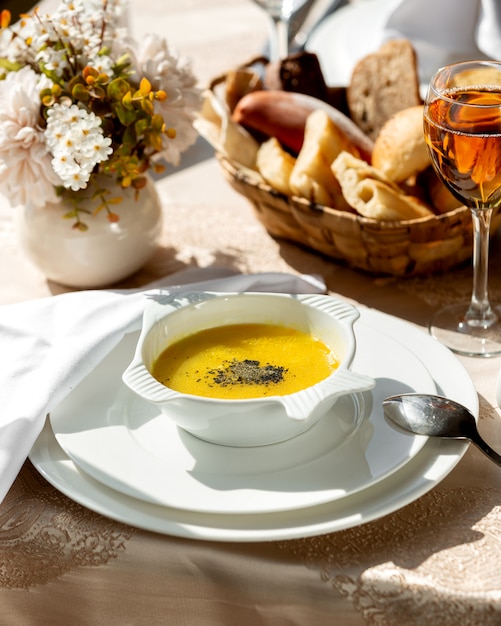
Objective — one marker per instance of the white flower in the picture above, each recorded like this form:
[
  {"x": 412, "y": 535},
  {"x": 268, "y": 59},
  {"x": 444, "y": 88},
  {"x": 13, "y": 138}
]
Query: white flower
[
  {"x": 75, "y": 138},
  {"x": 79, "y": 105},
  {"x": 54, "y": 60},
  {"x": 82, "y": 26},
  {"x": 165, "y": 71},
  {"x": 26, "y": 174}
]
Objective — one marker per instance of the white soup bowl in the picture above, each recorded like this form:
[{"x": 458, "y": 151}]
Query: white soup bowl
[{"x": 254, "y": 421}]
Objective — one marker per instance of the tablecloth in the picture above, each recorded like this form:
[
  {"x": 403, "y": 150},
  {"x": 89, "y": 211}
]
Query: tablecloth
[{"x": 434, "y": 561}]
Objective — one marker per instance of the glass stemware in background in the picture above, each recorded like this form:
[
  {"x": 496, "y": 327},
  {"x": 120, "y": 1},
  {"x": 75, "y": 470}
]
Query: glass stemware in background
[
  {"x": 462, "y": 126},
  {"x": 280, "y": 12}
]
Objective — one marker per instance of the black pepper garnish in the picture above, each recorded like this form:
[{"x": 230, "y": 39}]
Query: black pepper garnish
[{"x": 246, "y": 372}]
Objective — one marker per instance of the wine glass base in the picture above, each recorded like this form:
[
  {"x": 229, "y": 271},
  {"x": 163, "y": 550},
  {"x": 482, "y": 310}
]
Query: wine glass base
[{"x": 470, "y": 338}]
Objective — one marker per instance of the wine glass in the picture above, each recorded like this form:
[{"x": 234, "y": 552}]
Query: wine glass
[
  {"x": 280, "y": 12},
  {"x": 462, "y": 127}
]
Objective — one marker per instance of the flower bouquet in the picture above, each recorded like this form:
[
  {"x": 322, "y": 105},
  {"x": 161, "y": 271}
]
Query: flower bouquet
[{"x": 81, "y": 102}]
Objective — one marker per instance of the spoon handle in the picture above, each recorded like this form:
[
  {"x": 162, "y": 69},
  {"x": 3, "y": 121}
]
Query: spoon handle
[{"x": 482, "y": 445}]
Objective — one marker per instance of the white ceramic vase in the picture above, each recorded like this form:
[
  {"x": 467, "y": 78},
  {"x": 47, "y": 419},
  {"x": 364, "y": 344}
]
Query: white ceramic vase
[{"x": 100, "y": 256}]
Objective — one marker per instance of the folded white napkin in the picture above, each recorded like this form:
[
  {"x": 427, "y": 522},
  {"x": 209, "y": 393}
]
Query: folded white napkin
[
  {"x": 49, "y": 345},
  {"x": 446, "y": 31}
]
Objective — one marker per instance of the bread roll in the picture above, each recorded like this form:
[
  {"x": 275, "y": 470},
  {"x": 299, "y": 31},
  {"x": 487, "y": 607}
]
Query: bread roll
[
  {"x": 400, "y": 149},
  {"x": 273, "y": 114},
  {"x": 383, "y": 83},
  {"x": 312, "y": 177},
  {"x": 372, "y": 194},
  {"x": 275, "y": 165},
  {"x": 300, "y": 72}
]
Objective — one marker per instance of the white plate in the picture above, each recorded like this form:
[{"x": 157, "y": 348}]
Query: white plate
[
  {"x": 436, "y": 459},
  {"x": 127, "y": 444},
  {"x": 357, "y": 29},
  {"x": 346, "y": 36}
]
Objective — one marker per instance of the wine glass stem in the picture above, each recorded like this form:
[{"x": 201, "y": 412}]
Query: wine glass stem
[
  {"x": 480, "y": 309},
  {"x": 280, "y": 39}
]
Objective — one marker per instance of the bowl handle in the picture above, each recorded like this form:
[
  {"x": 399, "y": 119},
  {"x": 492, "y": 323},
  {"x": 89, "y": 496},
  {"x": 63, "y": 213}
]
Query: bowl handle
[
  {"x": 301, "y": 405},
  {"x": 139, "y": 380},
  {"x": 337, "y": 308}
]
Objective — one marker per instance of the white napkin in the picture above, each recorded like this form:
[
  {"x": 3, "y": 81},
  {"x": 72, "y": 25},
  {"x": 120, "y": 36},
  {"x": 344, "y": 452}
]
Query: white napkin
[
  {"x": 49, "y": 345},
  {"x": 446, "y": 31}
]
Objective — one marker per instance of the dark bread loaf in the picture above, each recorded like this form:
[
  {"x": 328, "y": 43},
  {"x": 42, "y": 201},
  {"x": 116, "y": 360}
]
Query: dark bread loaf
[
  {"x": 298, "y": 72},
  {"x": 382, "y": 84}
]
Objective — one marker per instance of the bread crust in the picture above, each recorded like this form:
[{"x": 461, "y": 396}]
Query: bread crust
[
  {"x": 311, "y": 176},
  {"x": 372, "y": 194},
  {"x": 273, "y": 114},
  {"x": 383, "y": 83},
  {"x": 275, "y": 165},
  {"x": 400, "y": 149}
]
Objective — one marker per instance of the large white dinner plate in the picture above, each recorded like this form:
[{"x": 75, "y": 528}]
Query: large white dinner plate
[
  {"x": 129, "y": 445},
  {"x": 435, "y": 460},
  {"x": 346, "y": 36},
  {"x": 358, "y": 29}
]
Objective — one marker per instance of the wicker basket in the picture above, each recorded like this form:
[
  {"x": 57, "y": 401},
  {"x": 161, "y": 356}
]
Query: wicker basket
[{"x": 415, "y": 247}]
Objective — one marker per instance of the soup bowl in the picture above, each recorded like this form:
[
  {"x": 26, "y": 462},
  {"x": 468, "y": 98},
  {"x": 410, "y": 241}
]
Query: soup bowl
[{"x": 252, "y": 421}]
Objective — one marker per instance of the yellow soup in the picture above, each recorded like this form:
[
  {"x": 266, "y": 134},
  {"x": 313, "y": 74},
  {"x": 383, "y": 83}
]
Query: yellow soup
[{"x": 244, "y": 361}]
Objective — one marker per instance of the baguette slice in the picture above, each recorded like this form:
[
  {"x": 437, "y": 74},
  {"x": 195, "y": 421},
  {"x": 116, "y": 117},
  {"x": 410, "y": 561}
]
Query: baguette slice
[
  {"x": 372, "y": 194},
  {"x": 311, "y": 176},
  {"x": 275, "y": 165},
  {"x": 383, "y": 83}
]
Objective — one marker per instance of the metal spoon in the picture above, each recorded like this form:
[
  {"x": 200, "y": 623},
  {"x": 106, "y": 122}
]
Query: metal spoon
[{"x": 436, "y": 416}]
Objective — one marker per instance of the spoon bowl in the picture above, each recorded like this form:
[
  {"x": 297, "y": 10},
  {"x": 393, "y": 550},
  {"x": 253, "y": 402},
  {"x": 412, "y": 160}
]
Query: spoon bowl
[{"x": 436, "y": 416}]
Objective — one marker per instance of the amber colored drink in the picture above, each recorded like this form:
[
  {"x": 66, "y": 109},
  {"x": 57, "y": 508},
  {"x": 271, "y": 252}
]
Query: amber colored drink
[{"x": 465, "y": 144}]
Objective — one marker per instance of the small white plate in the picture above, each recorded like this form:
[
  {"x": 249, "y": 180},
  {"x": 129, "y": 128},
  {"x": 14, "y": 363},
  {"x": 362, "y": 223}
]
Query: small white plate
[
  {"x": 127, "y": 444},
  {"x": 435, "y": 461}
]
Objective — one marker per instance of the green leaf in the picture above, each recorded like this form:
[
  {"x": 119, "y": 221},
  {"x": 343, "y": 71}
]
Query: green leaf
[
  {"x": 10, "y": 66},
  {"x": 76, "y": 80},
  {"x": 157, "y": 123},
  {"x": 141, "y": 126},
  {"x": 105, "y": 51},
  {"x": 99, "y": 208},
  {"x": 147, "y": 107},
  {"x": 144, "y": 87},
  {"x": 129, "y": 138},
  {"x": 123, "y": 61},
  {"x": 156, "y": 141},
  {"x": 79, "y": 92},
  {"x": 126, "y": 117},
  {"x": 127, "y": 101},
  {"x": 117, "y": 89}
]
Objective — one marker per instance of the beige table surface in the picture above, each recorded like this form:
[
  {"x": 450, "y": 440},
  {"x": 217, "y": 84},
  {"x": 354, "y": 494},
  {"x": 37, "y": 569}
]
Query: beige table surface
[{"x": 436, "y": 561}]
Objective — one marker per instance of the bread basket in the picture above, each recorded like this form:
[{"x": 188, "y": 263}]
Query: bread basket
[{"x": 415, "y": 247}]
